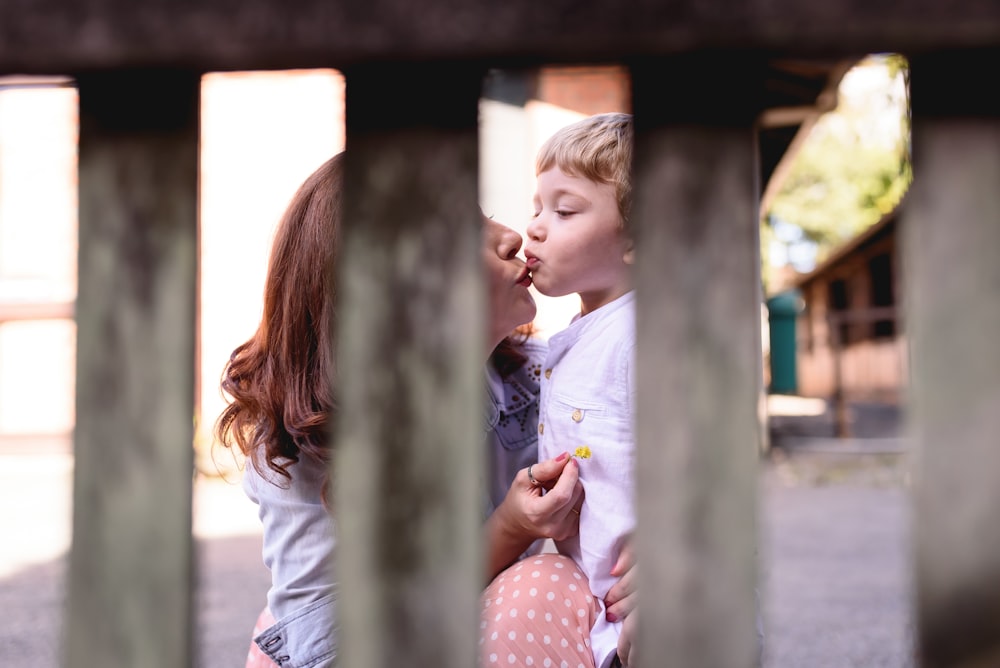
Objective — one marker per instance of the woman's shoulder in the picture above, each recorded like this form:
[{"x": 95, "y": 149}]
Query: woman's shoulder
[
  {"x": 535, "y": 348},
  {"x": 529, "y": 376}
]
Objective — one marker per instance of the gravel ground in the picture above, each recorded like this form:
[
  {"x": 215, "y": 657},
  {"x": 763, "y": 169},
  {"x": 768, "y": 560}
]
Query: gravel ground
[{"x": 835, "y": 568}]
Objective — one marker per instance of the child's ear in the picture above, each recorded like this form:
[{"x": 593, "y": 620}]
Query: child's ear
[{"x": 628, "y": 257}]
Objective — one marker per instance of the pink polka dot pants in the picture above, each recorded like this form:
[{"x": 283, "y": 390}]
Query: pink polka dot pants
[{"x": 538, "y": 612}]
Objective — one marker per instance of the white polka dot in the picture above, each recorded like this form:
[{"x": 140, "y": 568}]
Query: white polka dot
[
  {"x": 577, "y": 576},
  {"x": 531, "y": 613},
  {"x": 586, "y": 641},
  {"x": 579, "y": 665},
  {"x": 564, "y": 643},
  {"x": 494, "y": 635},
  {"x": 482, "y": 624},
  {"x": 497, "y": 618},
  {"x": 533, "y": 591},
  {"x": 551, "y": 596},
  {"x": 517, "y": 592},
  {"x": 517, "y": 578},
  {"x": 538, "y": 561},
  {"x": 547, "y": 640},
  {"x": 489, "y": 602},
  {"x": 529, "y": 661},
  {"x": 548, "y": 616},
  {"x": 547, "y": 662},
  {"x": 500, "y": 591},
  {"x": 581, "y": 613},
  {"x": 554, "y": 577},
  {"x": 512, "y": 635},
  {"x": 530, "y": 637},
  {"x": 519, "y": 567},
  {"x": 565, "y": 621},
  {"x": 564, "y": 664},
  {"x": 511, "y": 658},
  {"x": 500, "y": 600},
  {"x": 513, "y": 612},
  {"x": 568, "y": 603},
  {"x": 493, "y": 658},
  {"x": 579, "y": 647},
  {"x": 536, "y": 574},
  {"x": 572, "y": 587}
]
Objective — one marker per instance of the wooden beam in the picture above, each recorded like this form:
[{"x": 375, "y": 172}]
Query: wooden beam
[
  {"x": 950, "y": 235},
  {"x": 61, "y": 36},
  {"x": 698, "y": 300},
  {"x": 409, "y": 447},
  {"x": 130, "y": 567}
]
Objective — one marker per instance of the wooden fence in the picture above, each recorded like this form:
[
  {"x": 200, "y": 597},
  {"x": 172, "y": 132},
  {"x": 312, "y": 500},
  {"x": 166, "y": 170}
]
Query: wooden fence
[{"x": 410, "y": 567}]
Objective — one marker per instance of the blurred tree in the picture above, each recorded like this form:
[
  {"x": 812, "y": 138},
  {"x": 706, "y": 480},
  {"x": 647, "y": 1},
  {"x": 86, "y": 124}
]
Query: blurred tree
[{"x": 855, "y": 165}]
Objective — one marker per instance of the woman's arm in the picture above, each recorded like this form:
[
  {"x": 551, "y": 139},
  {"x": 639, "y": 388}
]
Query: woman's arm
[{"x": 526, "y": 514}]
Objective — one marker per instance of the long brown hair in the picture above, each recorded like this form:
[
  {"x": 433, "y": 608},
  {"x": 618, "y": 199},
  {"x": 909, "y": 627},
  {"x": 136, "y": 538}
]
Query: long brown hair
[
  {"x": 507, "y": 357},
  {"x": 280, "y": 380}
]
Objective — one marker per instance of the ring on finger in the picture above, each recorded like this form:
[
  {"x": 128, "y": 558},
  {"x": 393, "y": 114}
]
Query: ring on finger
[{"x": 531, "y": 478}]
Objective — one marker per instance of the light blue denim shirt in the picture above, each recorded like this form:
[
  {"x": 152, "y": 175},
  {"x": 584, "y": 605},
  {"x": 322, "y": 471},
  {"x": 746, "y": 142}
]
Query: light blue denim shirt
[{"x": 300, "y": 535}]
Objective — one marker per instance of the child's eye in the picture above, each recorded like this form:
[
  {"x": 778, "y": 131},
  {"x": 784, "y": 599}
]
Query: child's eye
[
  {"x": 536, "y": 214},
  {"x": 563, "y": 213}
]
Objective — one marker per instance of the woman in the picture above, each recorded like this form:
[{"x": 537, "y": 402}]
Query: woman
[{"x": 281, "y": 407}]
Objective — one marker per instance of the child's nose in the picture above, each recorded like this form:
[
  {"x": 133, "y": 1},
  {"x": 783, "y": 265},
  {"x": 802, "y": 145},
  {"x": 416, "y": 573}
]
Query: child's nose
[{"x": 535, "y": 231}]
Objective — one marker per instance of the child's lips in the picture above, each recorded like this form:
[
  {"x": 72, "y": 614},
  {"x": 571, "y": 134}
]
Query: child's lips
[{"x": 532, "y": 262}]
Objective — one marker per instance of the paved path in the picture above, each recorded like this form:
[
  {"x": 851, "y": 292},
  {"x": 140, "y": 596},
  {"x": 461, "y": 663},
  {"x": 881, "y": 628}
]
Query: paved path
[{"x": 834, "y": 543}]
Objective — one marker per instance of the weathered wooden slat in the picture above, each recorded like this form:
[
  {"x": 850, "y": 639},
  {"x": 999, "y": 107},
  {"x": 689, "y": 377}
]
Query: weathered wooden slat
[
  {"x": 951, "y": 237},
  {"x": 408, "y": 468},
  {"x": 58, "y": 36},
  {"x": 130, "y": 566},
  {"x": 698, "y": 308}
]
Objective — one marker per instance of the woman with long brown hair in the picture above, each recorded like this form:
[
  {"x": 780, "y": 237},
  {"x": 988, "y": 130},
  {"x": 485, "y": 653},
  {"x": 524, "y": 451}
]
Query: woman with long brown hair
[{"x": 282, "y": 402}]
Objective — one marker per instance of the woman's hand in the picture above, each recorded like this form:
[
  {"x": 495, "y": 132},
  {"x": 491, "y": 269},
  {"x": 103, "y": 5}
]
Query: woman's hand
[
  {"x": 528, "y": 514},
  {"x": 621, "y": 598},
  {"x": 554, "y": 514}
]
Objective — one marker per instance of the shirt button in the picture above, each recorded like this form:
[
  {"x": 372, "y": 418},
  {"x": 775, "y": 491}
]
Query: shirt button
[
  {"x": 577, "y": 415},
  {"x": 548, "y": 373},
  {"x": 541, "y": 428}
]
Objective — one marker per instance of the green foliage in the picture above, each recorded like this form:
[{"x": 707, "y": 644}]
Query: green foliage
[{"x": 854, "y": 167}]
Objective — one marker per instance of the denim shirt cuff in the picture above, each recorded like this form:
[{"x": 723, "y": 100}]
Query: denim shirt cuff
[{"x": 304, "y": 639}]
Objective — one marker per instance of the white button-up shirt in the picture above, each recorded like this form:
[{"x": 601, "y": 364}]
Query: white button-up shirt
[{"x": 588, "y": 392}]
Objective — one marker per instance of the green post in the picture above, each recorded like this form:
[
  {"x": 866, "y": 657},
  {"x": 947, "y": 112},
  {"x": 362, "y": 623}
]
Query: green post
[{"x": 783, "y": 310}]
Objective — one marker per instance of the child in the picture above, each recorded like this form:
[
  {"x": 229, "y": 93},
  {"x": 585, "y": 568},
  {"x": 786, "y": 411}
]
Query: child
[{"x": 579, "y": 242}]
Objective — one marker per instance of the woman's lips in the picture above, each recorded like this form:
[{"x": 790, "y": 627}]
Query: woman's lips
[{"x": 524, "y": 279}]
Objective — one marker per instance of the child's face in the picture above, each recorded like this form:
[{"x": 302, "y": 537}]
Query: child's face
[{"x": 576, "y": 242}]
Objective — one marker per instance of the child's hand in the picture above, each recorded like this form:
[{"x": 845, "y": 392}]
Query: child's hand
[
  {"x": 621, "y": 598},
  {"x": 626, "y": 641}
]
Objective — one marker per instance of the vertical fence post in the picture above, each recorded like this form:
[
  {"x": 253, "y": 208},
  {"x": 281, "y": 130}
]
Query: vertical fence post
[
  {"x": 698, "y": 302},
  {"x": 130, "y": 566},
  {"x": 951, "y": 235},
  {"x": 408, "y": 468}
]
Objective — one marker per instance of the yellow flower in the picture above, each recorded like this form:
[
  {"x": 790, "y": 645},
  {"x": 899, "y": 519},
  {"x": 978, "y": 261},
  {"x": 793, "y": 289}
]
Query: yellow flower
[{"x": 583, "y": 452}]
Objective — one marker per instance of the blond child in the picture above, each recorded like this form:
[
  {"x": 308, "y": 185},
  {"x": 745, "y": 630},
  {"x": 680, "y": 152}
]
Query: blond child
[{"x": 578, "y": 242}]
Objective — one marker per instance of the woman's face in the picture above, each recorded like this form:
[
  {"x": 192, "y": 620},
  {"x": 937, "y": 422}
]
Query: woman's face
[{"x": 507, "y": 281}]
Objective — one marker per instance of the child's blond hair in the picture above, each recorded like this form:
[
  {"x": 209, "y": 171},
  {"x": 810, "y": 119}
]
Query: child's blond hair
[{"x": 598, "y": 148}]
